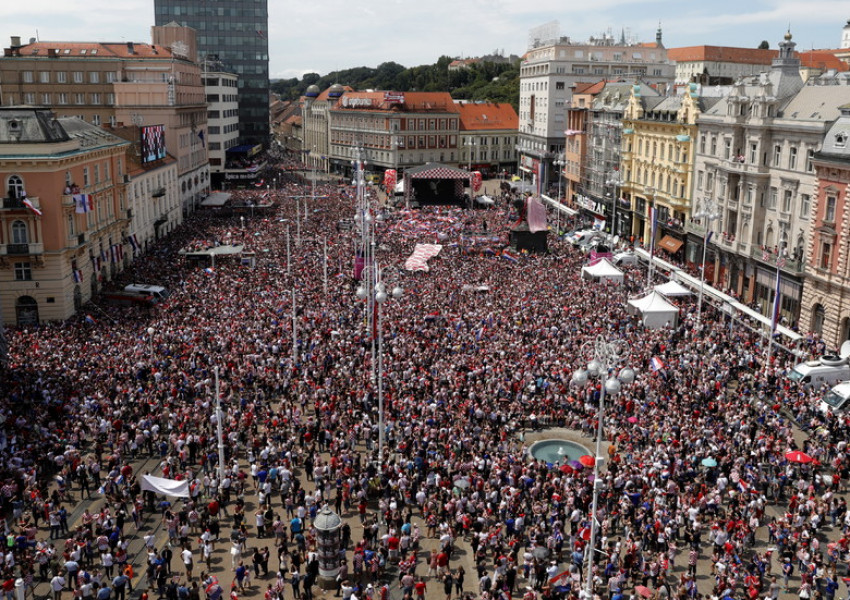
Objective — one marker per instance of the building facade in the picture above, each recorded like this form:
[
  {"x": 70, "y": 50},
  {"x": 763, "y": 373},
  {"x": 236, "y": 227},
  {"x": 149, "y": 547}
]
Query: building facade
[
  {"x": 755, "y": 163},
  {"x": 548, "y": 74},
  {"x": 64, "y": 215},
  {"x": 120, "y": 84},
  {"x": 222, "y": 120},
  {"x": 487, "y": 137},
  {"x": 718, "y": 65},
  {"x": 825, "y": 309},
  {"x": 393, "y": 130},
  {"x": 237, "y": 35}
]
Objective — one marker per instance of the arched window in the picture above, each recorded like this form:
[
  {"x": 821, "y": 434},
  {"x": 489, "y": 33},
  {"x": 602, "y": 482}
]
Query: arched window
[
  {"x": 26, "y": 309},
  {"x": 15, "y": 186},
  {"x": 20, "y": 235}
]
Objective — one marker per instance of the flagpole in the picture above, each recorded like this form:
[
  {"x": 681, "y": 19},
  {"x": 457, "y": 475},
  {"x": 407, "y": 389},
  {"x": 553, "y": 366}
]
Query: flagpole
[
  {"x": 776, "y": 303},
  {"x": 325, "y": 262},
  {"x": 218, "y": 430},
  {"x": 653, "y": 225}
]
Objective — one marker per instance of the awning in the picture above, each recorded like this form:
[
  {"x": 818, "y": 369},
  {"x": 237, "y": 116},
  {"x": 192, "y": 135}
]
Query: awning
[
  {"x": 216, "y": 199},
  {"x": 670, "y": 244}
]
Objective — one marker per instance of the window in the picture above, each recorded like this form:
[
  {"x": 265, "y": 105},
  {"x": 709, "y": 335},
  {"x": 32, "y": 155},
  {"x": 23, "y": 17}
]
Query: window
[
  {"x": 29, "y": 98},
  {"x": 19, "y": 233},
  {"x": 702, "y": 144},
  {"x": 805, "y": 205},
  {"x": 754, "y": 153},
  {"x": 62, "y": 98},
  {"x": 771, "y": 203},
  {"x": 829, "y": 213},
  {"x": 786, "y": 201},
  {"x": 45, "y": 98},
  {"x": 94, "y": 77},
  {"x": 27, "y": 76},
  {"x": 23, "y": 271},
  {"x": 810, "y": 154},
  {"x": 44, "y": 77},
  {"x": 777, "y": 155},
  {"x": 110, "y": 99},
  {"x": 559, "y": 85},
  {"x": 61, "y": 77},
  {"x": 86, "y": 181},
  {"x": 700, "y": 177},
  {"x": 792, "y": 158},
  {"x": 95, "y": 120},
  {"x": 727, "y": 149},
  {"x": 95, "y": 98},
  {"x": 825, "y": 255},
  {"x": 713, "y": 145},
  {"x": 78, "y": 76},
  {"x": 110, "y": 77},
  {"x": 79, "y": 98}
]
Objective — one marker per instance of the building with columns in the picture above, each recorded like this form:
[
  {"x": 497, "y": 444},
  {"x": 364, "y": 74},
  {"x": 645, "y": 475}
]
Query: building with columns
[
  {"x": 825, "y": 308},
  {"x": 64, "y": 214},
  {"x": 754, "y": 162}
]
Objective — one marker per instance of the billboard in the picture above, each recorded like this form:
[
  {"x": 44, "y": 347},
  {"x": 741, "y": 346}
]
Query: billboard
[{"x": 153, "y": 143}]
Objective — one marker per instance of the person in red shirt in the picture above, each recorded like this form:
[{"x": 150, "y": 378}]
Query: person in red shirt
[{"x": 419, "y": 587}]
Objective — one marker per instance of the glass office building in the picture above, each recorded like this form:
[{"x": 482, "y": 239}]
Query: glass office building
[{"x": 236, "y": 32}]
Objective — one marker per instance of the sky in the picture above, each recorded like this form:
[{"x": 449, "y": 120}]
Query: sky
[{"x": 327, "y": 35}]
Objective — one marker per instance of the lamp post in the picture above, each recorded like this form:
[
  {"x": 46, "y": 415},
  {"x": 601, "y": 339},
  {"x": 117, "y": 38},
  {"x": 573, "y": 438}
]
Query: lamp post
[
  {"x": 606, "y": 356},
  {"x": 151, "y": 331},
  {"x": 559, "y": 163},
  {"x": 294, "y": 331},
  {"x": 470, "y": 143},
  {"x": 649, "y": 192},
  {"x": 218, "y": 429},
  {"x": 774, "y": 320},
  {"x": 380, "y": 296},
  {"x": 614, "y": 181},
  {"x": 708, "y": 211}
]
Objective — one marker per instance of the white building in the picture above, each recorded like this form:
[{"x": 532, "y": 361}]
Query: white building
[
  {"x": 222, "y": 132},
  {"x": 550, "y": 70}
]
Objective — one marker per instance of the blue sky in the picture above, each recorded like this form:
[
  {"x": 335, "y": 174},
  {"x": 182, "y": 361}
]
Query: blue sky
[{"x": 326, "y": 35}]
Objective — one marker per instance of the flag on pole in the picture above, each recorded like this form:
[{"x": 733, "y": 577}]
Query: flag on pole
[
  {"x": 656, "y": 364},
  {"x": 90, "y": 320},
  {"x": 78, "y": 276}
]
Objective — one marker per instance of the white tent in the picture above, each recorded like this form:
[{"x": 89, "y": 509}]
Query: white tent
[
  {"x": 672, "y": 288},
  {"x": 603, "y": 271},
  {"x": 655, "y": 311}
]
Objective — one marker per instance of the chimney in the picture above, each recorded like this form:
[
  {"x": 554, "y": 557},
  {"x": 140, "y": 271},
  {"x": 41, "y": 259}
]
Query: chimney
[
  {"x": 131, "y": 49},
  {"x": 16, "y": 41}
]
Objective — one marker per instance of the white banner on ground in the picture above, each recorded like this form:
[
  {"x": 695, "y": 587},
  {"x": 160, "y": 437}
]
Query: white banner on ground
[
  {"x": 418, "y": 261},
  {"x": 168, "y": 487}
]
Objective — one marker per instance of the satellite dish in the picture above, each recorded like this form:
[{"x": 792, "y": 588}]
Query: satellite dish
[{"x": 844, "y": 352}]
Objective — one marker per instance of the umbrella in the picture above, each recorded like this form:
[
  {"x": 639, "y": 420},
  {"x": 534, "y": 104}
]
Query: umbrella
[
  {"x": 632, "y": 420},
  {"x": 709, "y": 462},
  {"x": 566, "y": 469},
  {"x": 643, "y": 591},
  {"x": 587, "y": 460},
  {"x": 798, "y": 457},
  {"x": 575, "y": 464}
]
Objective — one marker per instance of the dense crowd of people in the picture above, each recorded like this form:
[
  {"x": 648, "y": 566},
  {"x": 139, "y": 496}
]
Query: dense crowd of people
[{"x": 478, "y": 351}]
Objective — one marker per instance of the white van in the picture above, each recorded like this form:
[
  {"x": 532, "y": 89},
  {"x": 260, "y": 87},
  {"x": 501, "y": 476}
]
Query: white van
[
  {"x": 828, "y": 370},
  {"x": 159, "y": 293},
  {"x": 837, "y": 398}
]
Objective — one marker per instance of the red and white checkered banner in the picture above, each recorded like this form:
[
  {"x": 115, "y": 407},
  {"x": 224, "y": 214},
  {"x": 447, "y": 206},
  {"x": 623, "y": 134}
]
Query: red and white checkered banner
[{"x": 390, "y": 179}]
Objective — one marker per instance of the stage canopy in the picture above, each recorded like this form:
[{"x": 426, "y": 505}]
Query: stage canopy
[
  {"x": 435, "y": 183},
  {"x": 672, "y": 288}
]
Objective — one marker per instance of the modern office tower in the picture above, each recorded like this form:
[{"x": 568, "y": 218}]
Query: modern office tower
[{"x": 236, "y": 33}]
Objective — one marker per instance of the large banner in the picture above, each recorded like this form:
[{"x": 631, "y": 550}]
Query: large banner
[
  {"x": 418, "y": 261},
  {"x": 390, "y": 179},
  {"x": 476, "y": 181},
  {"x": 167, "y": 487}
]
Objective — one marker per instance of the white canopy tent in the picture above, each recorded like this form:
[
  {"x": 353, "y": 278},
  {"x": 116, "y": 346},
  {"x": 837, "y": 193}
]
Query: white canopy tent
[
  {"x": 672, "y": 288},
  {"x": 602, "y": 270},
  {"x": 655, "y": 311}
]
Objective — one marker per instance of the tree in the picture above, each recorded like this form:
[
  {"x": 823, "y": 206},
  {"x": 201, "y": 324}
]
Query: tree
[{"x": 764, "y": 45}]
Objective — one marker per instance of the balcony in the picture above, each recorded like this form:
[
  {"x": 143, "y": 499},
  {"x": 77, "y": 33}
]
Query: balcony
[
  {"x": 791, "y": 265},
  {"x": 68, "y": 200},
  {"x": 736, "y": 166},
  {"x": 21, "y": 249},
  {"x": 18, "y": 204}
]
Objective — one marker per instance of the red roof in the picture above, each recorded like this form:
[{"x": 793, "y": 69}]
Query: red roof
[
  {"x": 822, "y": 59},
  {"x": 486, "y": 116},
  {"x": 95, "y": 50},
  {"x": 749, "y": 56}
]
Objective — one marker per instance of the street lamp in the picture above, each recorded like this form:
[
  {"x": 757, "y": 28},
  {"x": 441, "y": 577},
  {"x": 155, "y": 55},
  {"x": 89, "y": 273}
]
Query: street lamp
[
  {"x": 380, "y": 296},
  {"x": 470, "y": 143},
  {"x": 780, "y": 262},
  {"x": 605, "y": 357},
  {"x": 559, "y": 164},
  {"x": 708, "y": 211},
  {"x": 649, "y": 192},
  {"x": 614, "y": 181}
]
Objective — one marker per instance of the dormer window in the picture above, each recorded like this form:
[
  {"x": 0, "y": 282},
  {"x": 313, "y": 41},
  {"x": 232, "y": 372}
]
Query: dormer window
[{"x": 840, "y": 140}]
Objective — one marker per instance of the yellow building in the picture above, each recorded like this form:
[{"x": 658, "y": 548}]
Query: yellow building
[{"x": 658, "y": 158}]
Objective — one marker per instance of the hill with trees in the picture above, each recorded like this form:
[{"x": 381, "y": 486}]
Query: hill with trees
[{"x": 483, "y": 80}]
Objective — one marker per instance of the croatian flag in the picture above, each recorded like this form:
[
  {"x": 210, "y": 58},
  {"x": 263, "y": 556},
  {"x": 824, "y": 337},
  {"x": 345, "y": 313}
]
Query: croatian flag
[
  {"x": 90, "y": 320},
  {"x": 260, "y": 183},
  {"x": 655, "y": 364},
  {"x": 78, "y": 276},
  {"x": 133, "y": 243},
  {"x": 82, "y": 203},
  {"x": 28, "y": 203},
  {"x": 508, "y": 256},
  {"x": 209, "y": 271}
]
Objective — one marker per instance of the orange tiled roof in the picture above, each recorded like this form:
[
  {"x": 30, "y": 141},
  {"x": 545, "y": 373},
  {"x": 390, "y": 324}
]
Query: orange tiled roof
[
  {"x": 822, "y": 59},
  {"x": 413, "y": 101},
  {"x": 749, "y": 56},
  {"x": 589, "y": 88},
  {"x": 486, "y": 116},
  {"x": 95, "y": 50}
]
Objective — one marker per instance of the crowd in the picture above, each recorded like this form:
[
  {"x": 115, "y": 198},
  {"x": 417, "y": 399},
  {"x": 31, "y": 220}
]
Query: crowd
[{"x": 477, "y": 352}]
